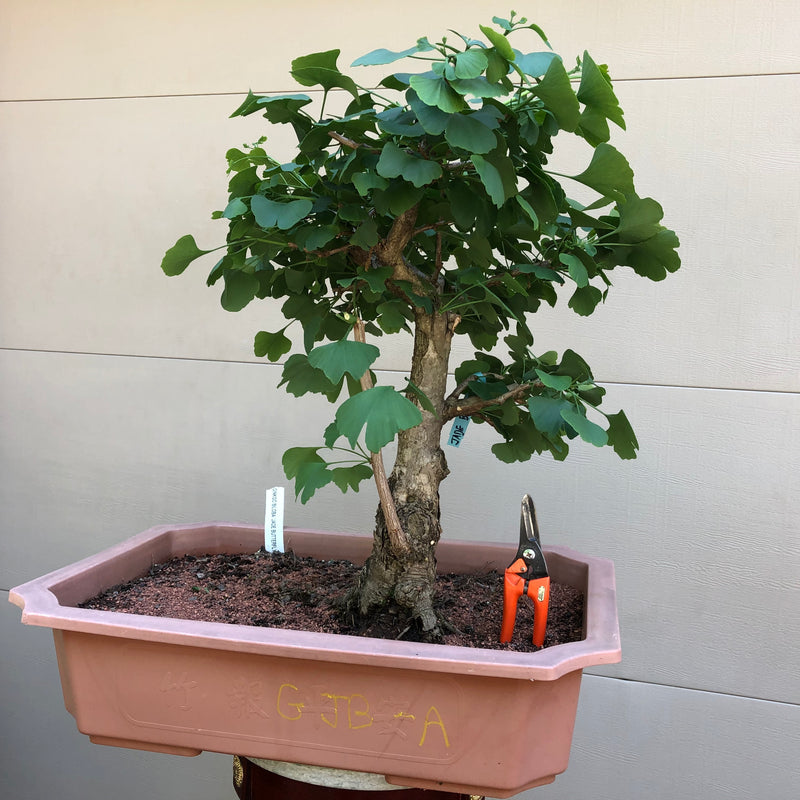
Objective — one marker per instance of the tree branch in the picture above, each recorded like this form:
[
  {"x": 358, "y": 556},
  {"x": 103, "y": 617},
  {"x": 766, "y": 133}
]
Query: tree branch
[
  {"x": 469, "y": 406},
  {"x": 397, "y": 536},
  {"x": 353, "y": 145}
]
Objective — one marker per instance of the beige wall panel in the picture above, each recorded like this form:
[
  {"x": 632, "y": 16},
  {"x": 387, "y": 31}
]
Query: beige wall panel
[
  {"x": 702, "y": 526},
  {"x": 730, "y": 317},
  {"x": 90, "y": 48},
  {"x": 635, "y": 741},
  {"x": 95, "y": 191},
  {"x": 44, "y": 755}
]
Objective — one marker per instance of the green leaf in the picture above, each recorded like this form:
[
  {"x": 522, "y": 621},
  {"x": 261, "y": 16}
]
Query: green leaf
[
  {"x": 319, "y": 69},
  {"x": 540, "y": 271},
  {"x": 366, "y": 235},
  {"x": 364, "y": 181},
  {"x": 586, "y": 429},
  {"x": 312, "y": 237},
  {"x": 478, "y": 87},
  {"x": 235, "y": 208},
  {"x": 601, "y": 103},
  {"x": 337, "y": 358},
  {"x": 471, "y": 63},
  {"x": 557, "y": 382},
  {"x": 585, "y": 299},
  {"x": 469, "y": 133},
  {"x": 271, "y": 345},
  {"x": 308, "y": 469},
  {"x": 271, "y": 214},
  {"x": 432, "y": 119},
  {"x": 382, "y": 410},
  {"x": 395, "y": 162},
  {"x": 501, "y": 44},
  {"x": 535, "y": 64},
  {"x": 639, "y": 219},
  {"x": 296, "y": 457},
  {"x": 300, "y": 378},
  {"x": 497, "y": 68},
  {"x": 576, "y": 267},
  {"x": 248, "y": 106},
  {"x": 546, "y": 413},
  {"x": 529, "y": 210},
  {"x": 283, "y": 108},
  {"x": 376, "y": 277},
  {"x": 391, "y": 316},
  {"x": 349, "y": 477},
  {"x": 437, "y": 92},
  {"x": 240, "y": 289},
  {"x": 608, "y": 173},
  {"x": 575, "y": 366},
  {"x": 497, "y": 175},
  {"x": 465, "y": 204},
  {"x": 399, "y": 122},
  {"x": 400, "y": 196},
  {"x": 556, "y": 91},
  {"x": 655, "y": 257},
  {"x": 180, "y": 255},
  {"x": 621, "y": 436},
  {"x": 383, "y": 56},
  {"x": 522, "y": 441}
]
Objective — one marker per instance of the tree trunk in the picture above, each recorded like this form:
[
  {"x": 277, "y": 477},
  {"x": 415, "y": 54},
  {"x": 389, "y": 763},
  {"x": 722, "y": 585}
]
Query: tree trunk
[{"x": 407, "y": 578}]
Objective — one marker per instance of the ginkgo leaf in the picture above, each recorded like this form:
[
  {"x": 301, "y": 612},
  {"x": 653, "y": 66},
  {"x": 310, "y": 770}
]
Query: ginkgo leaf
[
  {"x": 382, "y": 410},
  {"x": 180, "y": 255},
  {"x": 337, "y": 358}
]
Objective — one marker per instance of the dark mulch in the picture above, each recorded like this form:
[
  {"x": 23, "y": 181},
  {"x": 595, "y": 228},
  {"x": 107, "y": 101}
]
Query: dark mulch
[{"x": 281, "y": 590}]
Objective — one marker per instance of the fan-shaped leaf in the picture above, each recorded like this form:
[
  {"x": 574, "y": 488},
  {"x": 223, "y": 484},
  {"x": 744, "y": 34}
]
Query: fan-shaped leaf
[
  {"x": 438, "y": 93},
  {"x": 608, "y": 173},
  {"x": 180, "y": 255},
  {"x": 469, "y": 133},
  {"x": 382, "y": 410},
  {"x": 271, "y": 214},
  {"x": 343, "y": 356}
]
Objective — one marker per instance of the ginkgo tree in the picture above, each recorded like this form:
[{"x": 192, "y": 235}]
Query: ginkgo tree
[{"x": 428, "y": 207}]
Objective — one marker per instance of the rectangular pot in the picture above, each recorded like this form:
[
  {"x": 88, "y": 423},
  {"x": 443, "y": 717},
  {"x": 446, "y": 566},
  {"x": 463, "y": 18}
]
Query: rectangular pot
[{"x": 428, "y": 716}]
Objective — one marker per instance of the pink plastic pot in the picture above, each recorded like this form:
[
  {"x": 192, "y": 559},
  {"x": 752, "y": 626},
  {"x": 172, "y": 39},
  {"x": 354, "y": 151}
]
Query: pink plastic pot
[{"x": 428, "y": 716}]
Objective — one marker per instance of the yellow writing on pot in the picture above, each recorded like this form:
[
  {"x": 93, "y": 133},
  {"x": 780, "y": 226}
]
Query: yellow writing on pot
[{"x": 387, "y": 716}]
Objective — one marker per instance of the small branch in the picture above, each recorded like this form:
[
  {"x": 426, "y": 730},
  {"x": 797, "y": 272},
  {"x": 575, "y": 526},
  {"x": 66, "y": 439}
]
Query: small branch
[
  {"x": 472, "y": 405},
  {"x": 430, "y": 227},
  {"x": 457, "y": 392},
  {"x": 438, "y": 267},
  {"x": 452, "y": 166},
  {"x": 397, "y": 536},
  {"x": 353, "y": 145}
]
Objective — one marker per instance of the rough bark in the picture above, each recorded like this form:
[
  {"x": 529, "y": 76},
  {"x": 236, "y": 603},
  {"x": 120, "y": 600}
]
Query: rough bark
[{"x": 407, "y": 577}]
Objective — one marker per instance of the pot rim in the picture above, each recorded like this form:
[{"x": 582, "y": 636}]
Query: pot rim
[{"x": 47, "y": 602}]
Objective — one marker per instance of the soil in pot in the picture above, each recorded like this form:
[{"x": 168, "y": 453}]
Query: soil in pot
[{"x": 281, "y": 590}]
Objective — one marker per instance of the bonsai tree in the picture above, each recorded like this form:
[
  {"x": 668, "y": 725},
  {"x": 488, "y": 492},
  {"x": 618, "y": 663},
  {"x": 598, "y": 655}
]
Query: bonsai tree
[{"x": 427, "y": 207}]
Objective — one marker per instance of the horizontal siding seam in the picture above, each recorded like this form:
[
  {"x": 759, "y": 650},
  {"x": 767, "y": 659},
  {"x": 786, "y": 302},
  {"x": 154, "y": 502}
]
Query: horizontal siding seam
[
  {"x": 381, "y": 370},
  {"x": 731, "y": 695},
  {"x": 309, "y": 90}
]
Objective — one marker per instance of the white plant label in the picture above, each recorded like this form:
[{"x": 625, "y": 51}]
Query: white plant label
[{"x": 273, "y": 520}]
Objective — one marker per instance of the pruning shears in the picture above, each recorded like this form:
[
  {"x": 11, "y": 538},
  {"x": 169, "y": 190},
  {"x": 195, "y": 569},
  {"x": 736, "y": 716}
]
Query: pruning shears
[{"x": 527, "y": 576}]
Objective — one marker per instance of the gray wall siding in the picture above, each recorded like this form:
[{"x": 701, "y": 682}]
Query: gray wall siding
[{"x": 128, "y": 399}]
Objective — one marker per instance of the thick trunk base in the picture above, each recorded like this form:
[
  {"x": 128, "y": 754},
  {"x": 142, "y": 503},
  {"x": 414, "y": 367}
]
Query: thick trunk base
[{"x": 402, "y": 569}]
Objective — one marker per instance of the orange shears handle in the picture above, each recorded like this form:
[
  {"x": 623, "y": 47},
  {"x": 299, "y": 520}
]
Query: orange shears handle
[{"x": 538, "y": 590}]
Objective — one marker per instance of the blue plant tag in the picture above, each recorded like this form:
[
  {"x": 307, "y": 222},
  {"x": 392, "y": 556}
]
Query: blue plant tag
[{"x": 458, "y": 431}]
